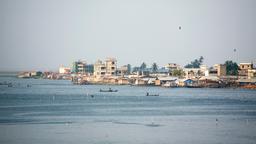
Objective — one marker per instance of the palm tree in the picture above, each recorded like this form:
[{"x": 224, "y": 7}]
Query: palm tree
[
  {"x": 143, "y": 66},
  {"x": 154, "y": 67}
]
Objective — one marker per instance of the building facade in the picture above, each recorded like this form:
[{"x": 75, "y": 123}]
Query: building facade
[
  {"x": 221, "y": 69},
  {"x": 111, "y": 66},
  {"x": 99, "y": 68},
  {"x": 251, "y": 73},
  {"x": 89, "y": 68},
  {"x": 79, "y": 66},
  {"x": 123, "y": 70},
  {"x": 107, "y": 68},
  {"x": 172, "y": 66},
  {"x": 244, "y": 68},
  {"x": 196, "y": 72}
]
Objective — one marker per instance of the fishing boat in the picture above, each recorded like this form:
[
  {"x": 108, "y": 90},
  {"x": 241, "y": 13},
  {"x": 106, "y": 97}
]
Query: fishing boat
[
  {"x": 147, "y": 94},
  {"x": 109, "y": 90}
]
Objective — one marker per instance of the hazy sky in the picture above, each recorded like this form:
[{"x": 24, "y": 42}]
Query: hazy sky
[{"x": 43, "y": 34}]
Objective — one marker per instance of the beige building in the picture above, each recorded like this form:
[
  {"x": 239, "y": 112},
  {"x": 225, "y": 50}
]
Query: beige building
[
  {"x": 251, "y": 73},
  {"x": 111, "y": 66},
  {"x": 221, "y": 69},
  {"x": 122, "y": 70},
  {"x": 172, "y": 66},
  {"x": 107, "y": 68},
  {"x": 192, "y": 72},
  {"x": 99, "y": 68},
  {"x": 196, "y": 72},
  {"x": 244, "y": 68}
]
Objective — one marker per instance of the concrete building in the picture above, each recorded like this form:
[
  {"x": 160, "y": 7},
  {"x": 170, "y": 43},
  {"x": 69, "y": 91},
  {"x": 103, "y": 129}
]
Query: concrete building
[
  {"x": 79, "y": 66},
  {"x": 107, "y": 68},
  {"x": 123, "y": 70},
  {"x": 251, "y": 73},
  {"x": 244, "y": 68},
  {"x": 172, "y": 66},
  {"x": 111, "y": 66},
  {"x": 99, "y": 68},
  {"x": 82, "y": 67},
  {"x": 221, "y": 69},
  {"x": 216, "y": 70},
  {"x": 192, "y": 72},
  {"x": 196, "y": 72}
]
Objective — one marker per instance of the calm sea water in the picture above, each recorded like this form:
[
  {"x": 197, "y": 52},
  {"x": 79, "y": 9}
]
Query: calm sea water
[{"x": 56, "y": 111}]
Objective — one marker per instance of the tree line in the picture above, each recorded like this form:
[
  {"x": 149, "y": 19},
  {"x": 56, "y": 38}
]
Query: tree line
[{"x": 231, "y": 67}]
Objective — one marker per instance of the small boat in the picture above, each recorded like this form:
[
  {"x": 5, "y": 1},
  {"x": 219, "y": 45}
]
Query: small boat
[
  {"x": 109, "y": 90},
  {"x": 147, "y": 94},
  {"x": 9, "y": 84}
]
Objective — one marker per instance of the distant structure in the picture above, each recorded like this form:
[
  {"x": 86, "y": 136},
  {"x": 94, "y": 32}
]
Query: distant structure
[
  {"x": 111, "y": 66},
  {"x": 196, "y": 72},
  {"x": 218, "y": 70},
  {"x": 221, "y": 69},
  {"x": 81, "y": 67},
  {"x": 172, "y": 66},
  {"x": 245, "y": 69},
  {"x": 99, "y": 68},
  {"x": 107, "y": 68},
  {"x": 123, "y": 70},
  {"x": 64, "y": 70},
  {"x": 89, "y": 68},
  {"x": 251, "y": 73}
]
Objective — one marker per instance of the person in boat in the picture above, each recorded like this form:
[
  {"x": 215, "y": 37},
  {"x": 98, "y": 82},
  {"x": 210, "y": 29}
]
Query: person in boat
[{"x": 110, "y": 90}]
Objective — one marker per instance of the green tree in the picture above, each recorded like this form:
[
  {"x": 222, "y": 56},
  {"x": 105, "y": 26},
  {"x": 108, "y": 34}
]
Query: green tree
[
  {"x": 143, "y": 66},
  {"x": 201, "y": 59},
  {"x": 178, "y": 73},
  {"x": 196, "y": 63},
  {"x": 231, "y": 68},
  {"x": 154, "y": 67}
]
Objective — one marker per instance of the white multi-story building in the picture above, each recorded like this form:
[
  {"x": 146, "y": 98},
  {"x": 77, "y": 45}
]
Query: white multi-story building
[
  {"x": 172, "y": 66},
  {"x": 99, "y": 68},
  {"x": 196, "y": 72},
  {"x": 79, "y": 66},
  {"x": 107, "y": 68},
  {"x": 111, "y": 66}
]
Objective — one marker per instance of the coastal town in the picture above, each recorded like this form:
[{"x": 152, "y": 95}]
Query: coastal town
[{"x": 194, "y": 75}]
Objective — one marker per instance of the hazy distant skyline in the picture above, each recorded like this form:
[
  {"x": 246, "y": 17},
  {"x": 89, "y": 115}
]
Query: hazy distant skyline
[{"x": 44, "y": 34}]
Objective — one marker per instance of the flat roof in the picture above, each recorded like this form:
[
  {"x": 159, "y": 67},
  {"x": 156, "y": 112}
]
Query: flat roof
[{"x": 245, "y": 63}]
